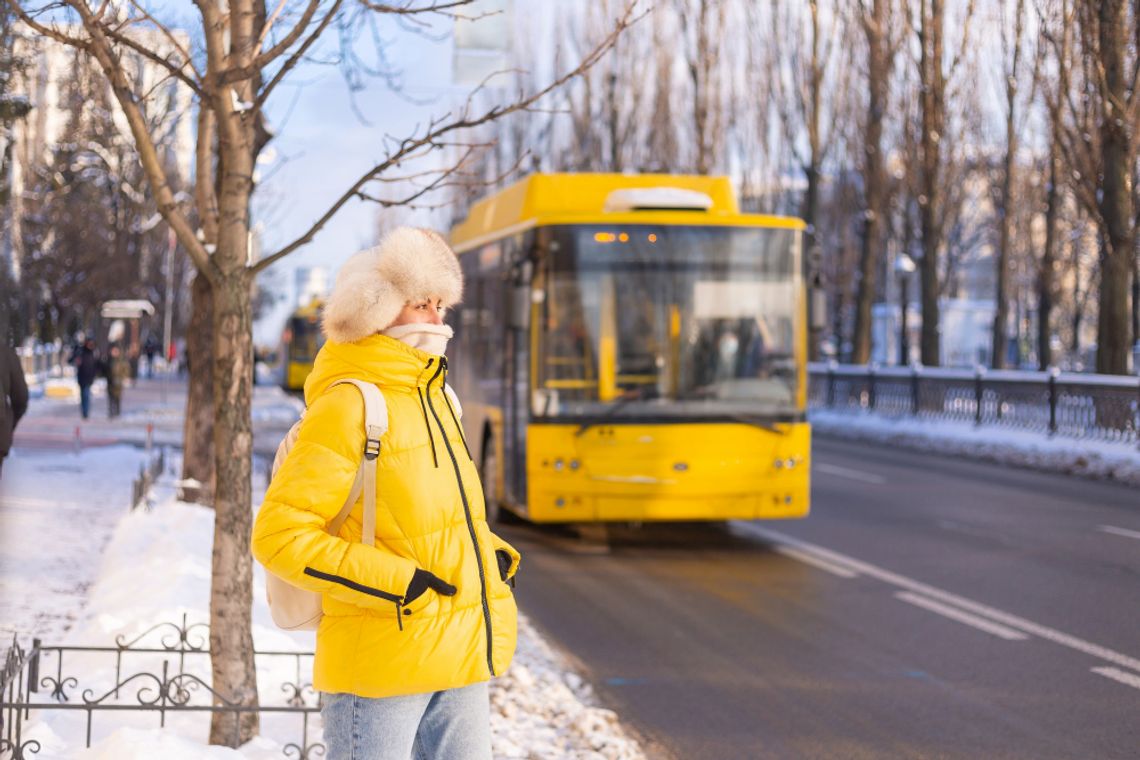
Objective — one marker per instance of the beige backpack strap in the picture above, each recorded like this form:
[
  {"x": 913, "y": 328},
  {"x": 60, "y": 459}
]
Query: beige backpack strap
[
  {"x": 375, "y": 425},
  {"x": 353, "y": 495}
]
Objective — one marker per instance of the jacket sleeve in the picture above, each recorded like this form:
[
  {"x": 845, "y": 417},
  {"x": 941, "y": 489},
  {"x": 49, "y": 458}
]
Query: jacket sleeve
[
  {"x": 309, "y": 489},
  {"x": 17, "y": 389},
  {"x": 499, "y": 543}
]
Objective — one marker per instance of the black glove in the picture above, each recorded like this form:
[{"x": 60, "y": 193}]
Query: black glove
[
  {"x": 422, "y": 581},
  {"x": 503, "y": 557}
]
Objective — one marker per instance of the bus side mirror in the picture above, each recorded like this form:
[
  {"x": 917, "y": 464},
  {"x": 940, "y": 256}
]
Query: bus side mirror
[
  {"x": 817, "y": 308},
  {"x": 518, "y": 307}
]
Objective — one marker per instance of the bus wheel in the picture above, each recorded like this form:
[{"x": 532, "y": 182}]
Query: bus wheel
[{"x": 489, "y": 475}]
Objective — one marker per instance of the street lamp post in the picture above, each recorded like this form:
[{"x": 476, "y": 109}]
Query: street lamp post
[{"x": 904, "y": 268}]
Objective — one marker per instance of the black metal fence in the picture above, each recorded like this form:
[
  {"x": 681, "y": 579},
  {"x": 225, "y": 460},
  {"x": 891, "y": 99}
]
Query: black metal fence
[
  {"x": 38, "y": 679},
  {"x": 148, "y": 475},
  {"x": 1102, "y": 407}
]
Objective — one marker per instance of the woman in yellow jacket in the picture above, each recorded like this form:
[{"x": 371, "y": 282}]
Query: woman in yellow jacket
[{"x": 415, "y": 625}]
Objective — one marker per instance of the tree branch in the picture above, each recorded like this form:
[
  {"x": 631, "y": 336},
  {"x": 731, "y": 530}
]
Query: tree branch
[
  {"x": 438, "y": 128},
  {"x": 48, "y": 31},
  {"x": 175, "y": 70},
  {"x": 263, "y": 96}
]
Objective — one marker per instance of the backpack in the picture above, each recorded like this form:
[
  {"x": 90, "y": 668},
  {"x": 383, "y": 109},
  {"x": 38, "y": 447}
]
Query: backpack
[{"x": 298, "y": 609}]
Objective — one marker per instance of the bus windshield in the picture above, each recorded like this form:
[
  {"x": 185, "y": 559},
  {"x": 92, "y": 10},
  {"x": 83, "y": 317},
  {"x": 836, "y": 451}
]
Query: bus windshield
[{"x": 666, "y": 321}]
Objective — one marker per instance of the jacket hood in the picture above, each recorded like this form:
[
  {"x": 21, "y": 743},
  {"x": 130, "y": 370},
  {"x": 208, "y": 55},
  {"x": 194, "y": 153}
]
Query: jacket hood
[
  {"x": 410, "y": 264},
  {"x": 379, "y": 359}
]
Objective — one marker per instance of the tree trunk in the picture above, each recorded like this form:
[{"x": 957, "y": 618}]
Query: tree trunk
[
  {"x": 198, "y": 429},
  {"x": 813, "y": 171},
  {"x": 874, "y": 179},
  {"x": 231, "y": 586},
  {"x": 1114, "y": 339},
  {"x": 1046, "y": 275},
  {"x": 930, "y": 203},
  {"x": 1000, "y": 344}
]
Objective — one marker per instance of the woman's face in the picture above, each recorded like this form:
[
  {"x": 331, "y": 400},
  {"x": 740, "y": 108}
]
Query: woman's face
[{"x": 429, "y": 311}]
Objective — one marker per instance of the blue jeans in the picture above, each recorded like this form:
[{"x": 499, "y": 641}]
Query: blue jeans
[
  {"x": 445, "y": 725},
  {"x": 85, "y": 400}
]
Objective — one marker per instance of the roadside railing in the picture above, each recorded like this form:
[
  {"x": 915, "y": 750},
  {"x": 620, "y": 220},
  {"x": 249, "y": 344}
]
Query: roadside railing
[
  {"x": 42, "y": 360},
  {"x": 38, "y": 680},
  {"x": 148, "y": 472},
  {"x": 1102, "y": 407}
]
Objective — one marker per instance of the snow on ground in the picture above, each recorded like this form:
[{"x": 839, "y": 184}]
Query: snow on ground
[
  {"x": 155, "y": 569},
  {"x": 1087, "y": 458},
  {"x": 57, "y": 512}
]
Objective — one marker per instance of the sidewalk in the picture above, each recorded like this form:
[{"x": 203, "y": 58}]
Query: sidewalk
[
  {"x": 53, "y": 420},
  {"x": 77, "y": 568}
]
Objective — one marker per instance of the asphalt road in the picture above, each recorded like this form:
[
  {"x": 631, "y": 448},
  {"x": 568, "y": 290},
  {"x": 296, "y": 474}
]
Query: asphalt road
[{"x": 929, "y": 607}]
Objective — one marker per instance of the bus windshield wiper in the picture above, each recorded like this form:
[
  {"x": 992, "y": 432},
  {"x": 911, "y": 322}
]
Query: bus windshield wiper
[
  {"x": 757, "y": 422},
  {"x": 637, "y": 394}
]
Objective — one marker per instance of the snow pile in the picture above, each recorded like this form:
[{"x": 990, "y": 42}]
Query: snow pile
[
  {"x": 1087, "y": 458},
  {"x": 156, "y": 569},
  {"x": 541, "y": 708}
]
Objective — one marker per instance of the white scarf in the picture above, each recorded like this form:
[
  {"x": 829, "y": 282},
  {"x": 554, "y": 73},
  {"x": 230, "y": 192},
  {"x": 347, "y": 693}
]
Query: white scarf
[{"x": 422, "y": 335}]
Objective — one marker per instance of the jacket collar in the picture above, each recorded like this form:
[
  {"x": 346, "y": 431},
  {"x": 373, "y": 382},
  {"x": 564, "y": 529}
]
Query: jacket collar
[{"x": 377, "y": 358}]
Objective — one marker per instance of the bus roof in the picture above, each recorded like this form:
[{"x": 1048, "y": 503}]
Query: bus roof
[
  {"x": 310, "y": 310},
  {"x": 542, "y": 199}
]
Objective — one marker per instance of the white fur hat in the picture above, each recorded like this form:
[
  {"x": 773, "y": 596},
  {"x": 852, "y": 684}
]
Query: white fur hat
[{"x": 410, "y": 264}]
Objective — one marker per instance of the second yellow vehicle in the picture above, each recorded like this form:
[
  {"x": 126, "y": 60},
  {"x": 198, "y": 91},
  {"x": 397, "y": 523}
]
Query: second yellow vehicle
[{"x": 633, "y": 348}]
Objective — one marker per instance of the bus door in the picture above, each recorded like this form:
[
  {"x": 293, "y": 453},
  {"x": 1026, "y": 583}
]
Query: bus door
[{"x": 516, "y": 371}]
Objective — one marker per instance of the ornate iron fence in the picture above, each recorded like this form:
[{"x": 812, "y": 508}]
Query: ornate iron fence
[
  {"x": 1104, "y": 407},
  {"x": 171, "y": 689}
]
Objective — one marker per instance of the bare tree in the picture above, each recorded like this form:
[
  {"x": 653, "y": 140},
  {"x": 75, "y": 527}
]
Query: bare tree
[
  {"x": 702, "y": 34},
  {"x": 606, "y": 106},
  {"x": 876, "y": 19},
  {"x": 935, "y": 72},
  {"x": 249, "y": 49},
  {"x": 1055, "y": 86},
  {"x": 1012, "y": 43},
  {"x": 808, "y": 101},
  {"x": 1107, "y": 33},
  {"x": 662, "y": 137}
]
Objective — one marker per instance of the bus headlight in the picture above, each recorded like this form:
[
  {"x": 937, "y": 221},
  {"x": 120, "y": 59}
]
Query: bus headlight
[{"x": 558, "y": 464}]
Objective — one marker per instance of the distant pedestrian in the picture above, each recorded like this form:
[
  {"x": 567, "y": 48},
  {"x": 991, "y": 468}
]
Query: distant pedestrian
[
  {"x": 13, "y": 398},
  {"x": 150, "y": 348},
  {"x": 117, "y": 370},
  {"x": 86, "y": 362}
]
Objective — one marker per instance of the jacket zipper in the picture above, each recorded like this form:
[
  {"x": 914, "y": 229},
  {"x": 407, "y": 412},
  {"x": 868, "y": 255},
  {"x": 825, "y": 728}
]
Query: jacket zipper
[
  {"x": 467, "y": 513},
  {"x": 362, "y": 589},
  {"x": 431, "y": 438},
  {"x": 451, "y": 411}
]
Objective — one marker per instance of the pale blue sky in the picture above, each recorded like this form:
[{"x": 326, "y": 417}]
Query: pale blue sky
[{"x": 322, "y": 147}]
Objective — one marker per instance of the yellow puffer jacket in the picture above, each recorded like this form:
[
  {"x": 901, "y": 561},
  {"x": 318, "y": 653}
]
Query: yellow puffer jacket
[{"x": 429, "y": 514}]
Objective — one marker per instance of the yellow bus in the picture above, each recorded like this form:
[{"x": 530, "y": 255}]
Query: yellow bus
[
  {"x": 300, "y": 341},
  {"x": 632, "y": 348}
]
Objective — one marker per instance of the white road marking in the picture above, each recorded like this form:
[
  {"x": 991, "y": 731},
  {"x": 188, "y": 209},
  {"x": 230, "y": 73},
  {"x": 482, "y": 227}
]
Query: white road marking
[
  {"x": 901, "y": 581},
  {"x": 1121, "y": 531},
  {"x": 1116, "y": 674},
  {"x": 808, "y": 559},
  {"x": 843, "y": 472},
  {"x": 962, "y": 617}
]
